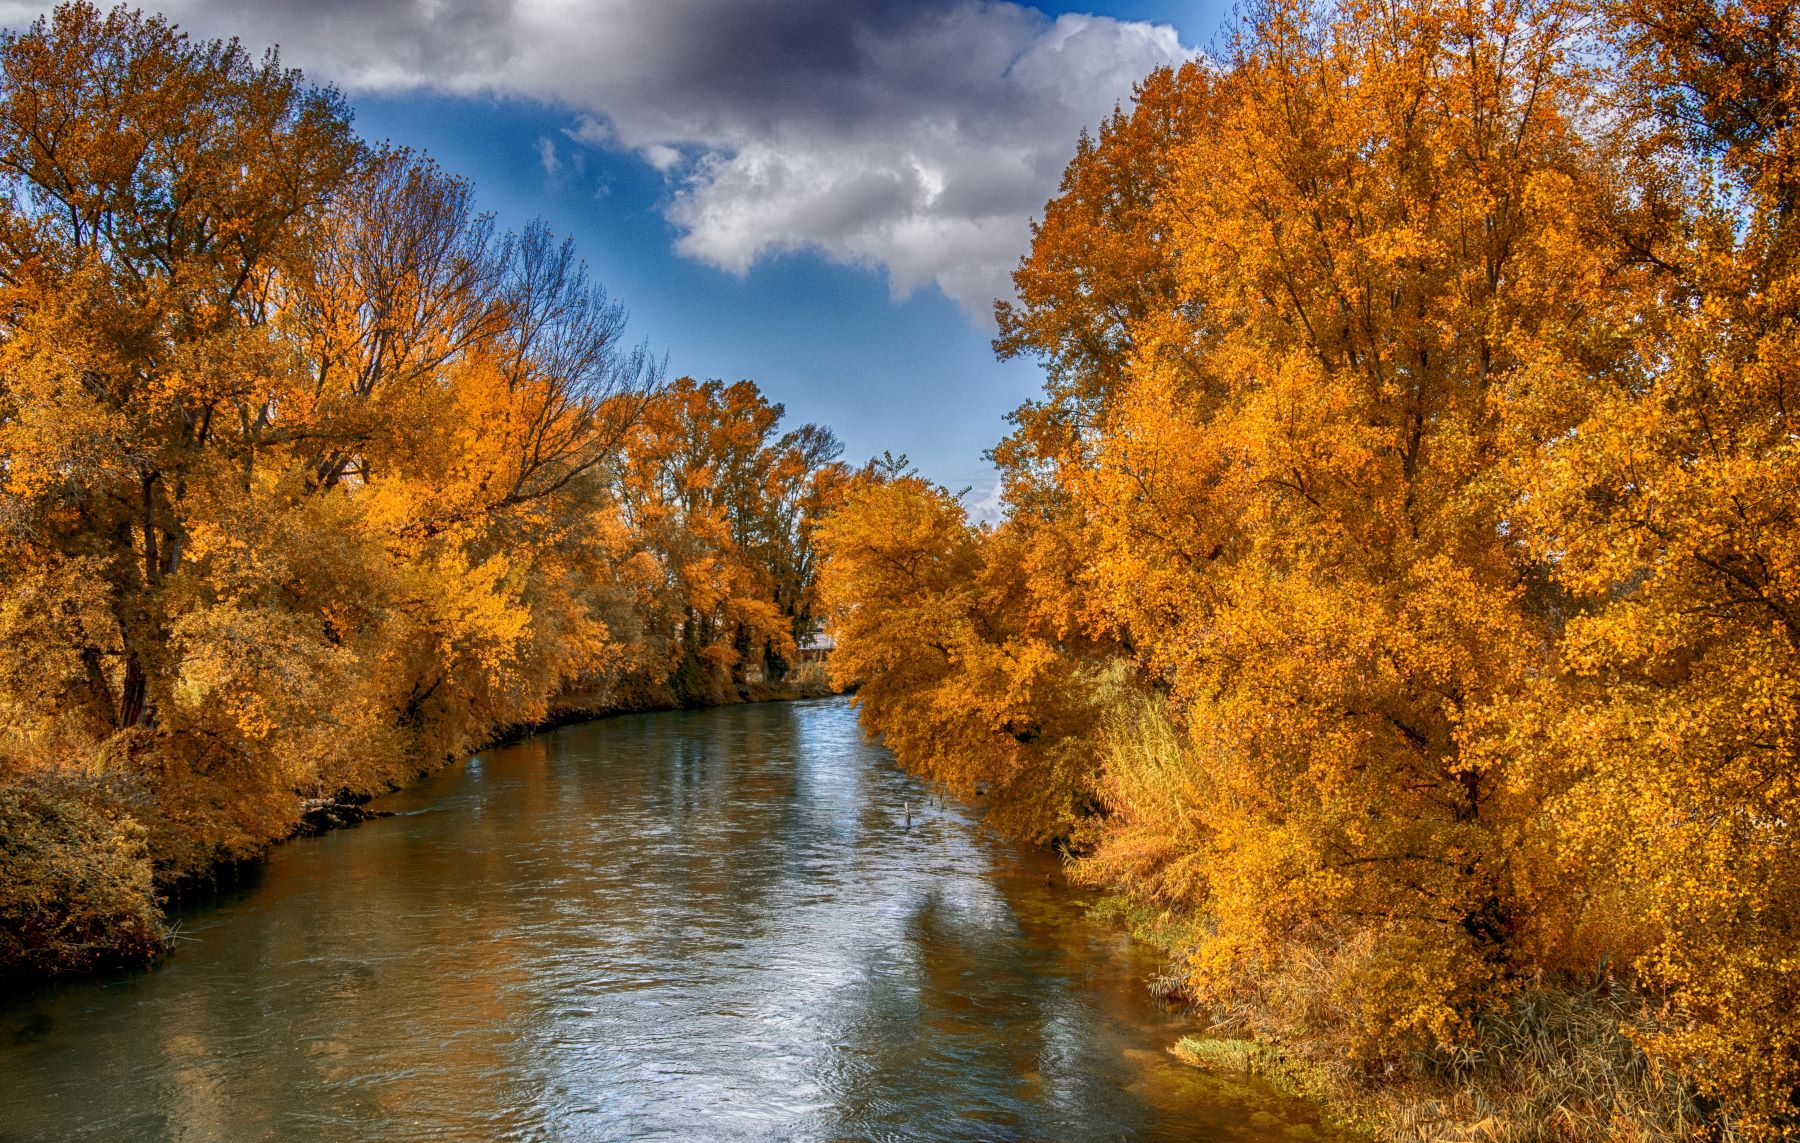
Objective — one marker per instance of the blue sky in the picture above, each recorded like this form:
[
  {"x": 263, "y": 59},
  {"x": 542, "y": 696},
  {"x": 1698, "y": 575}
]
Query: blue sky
[
  {"x": 823, "y": 196},
  {"x": 828, "y": 340}
]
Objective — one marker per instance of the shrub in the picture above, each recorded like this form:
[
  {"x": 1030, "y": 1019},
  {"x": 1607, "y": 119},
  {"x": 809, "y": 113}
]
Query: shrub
[{"x": 75, "y": 879}]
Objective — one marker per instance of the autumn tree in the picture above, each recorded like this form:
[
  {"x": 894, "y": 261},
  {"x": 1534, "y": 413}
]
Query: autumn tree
[
  {"x": 728, "y": 506},
  {"x": 312, "y": 476},
  {"x": 987, "y": 664},
  {"x": 1100, "y": 269},
  {"x": 1666, "y": 493},
  {"x": 957, "y": 667},
  {"x": 1299, "y": 519},
  {"x": 1417, "y": 418},
  {"x": 154, "y": 188},
  {"x": 1099, "y": 276}
]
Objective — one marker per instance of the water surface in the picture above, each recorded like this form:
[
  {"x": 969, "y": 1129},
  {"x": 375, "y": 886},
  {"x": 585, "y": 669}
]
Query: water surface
[{"x": 695, "y": 925}]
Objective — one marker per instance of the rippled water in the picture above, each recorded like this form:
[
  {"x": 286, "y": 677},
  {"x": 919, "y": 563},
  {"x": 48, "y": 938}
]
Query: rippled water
[{"x": 696, "y": 925}]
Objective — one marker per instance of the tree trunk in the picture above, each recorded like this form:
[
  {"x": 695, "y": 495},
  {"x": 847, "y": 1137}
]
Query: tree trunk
[{"x": 134, "y": 707}]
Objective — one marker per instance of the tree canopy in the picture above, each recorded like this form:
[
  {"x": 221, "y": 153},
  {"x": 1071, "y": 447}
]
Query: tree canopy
[
  {"x": 312, "y": 476},
  {"x": 1418, "y": 449}
]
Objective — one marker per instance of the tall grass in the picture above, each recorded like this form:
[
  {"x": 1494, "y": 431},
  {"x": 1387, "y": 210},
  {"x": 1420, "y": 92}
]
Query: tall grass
[
  {"x": 810, "y": 679},
  {"x": 1551, "y": 1062},
  {"x": 1555, "y": 1066}
]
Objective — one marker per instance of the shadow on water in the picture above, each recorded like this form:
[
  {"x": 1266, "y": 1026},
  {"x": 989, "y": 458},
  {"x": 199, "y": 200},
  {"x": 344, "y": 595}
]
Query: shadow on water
[{"x": 708, "y": 924}]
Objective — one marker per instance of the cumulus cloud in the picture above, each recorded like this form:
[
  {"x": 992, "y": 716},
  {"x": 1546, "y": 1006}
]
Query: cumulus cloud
[
  {"x": 986, "y": 507},
  {"x": 916, "y": 136}
]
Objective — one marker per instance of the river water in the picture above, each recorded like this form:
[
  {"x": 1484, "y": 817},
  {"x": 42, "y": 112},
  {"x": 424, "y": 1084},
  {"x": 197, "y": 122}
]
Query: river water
[{"x": 695, "y": 925}]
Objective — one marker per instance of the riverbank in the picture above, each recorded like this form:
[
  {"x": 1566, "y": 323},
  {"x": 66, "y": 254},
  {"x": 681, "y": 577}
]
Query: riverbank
[
  {"x": 321, "y": 815},
  {"x": 1555, "y": 1064},
  {"x": 84, "y": 891}
]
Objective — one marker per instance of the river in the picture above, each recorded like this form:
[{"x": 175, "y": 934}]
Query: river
[{"x": 710, "y": 924}]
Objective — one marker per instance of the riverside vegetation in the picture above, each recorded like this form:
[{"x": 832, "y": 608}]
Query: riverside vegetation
[
  {"x": 311, "y": 477},
  {"x": 1398, "y": 602}
]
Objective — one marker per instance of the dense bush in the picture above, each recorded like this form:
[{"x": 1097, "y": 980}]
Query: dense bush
[{"x": 76, "y": 888}]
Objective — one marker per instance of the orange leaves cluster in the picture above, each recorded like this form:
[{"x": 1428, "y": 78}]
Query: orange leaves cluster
[
  {"x": 729, "y": 506},
  {"x": 960, "y": 674},
  {"x": 1419, "y": 425},
  {"x": 310, "y": 476}
]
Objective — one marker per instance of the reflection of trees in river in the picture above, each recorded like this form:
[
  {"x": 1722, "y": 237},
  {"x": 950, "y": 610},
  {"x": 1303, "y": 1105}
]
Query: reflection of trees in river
[{"x": 945, "y": 1029}]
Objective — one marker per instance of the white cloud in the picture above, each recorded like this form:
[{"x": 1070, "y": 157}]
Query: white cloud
[
  {"x": 661, "y": 156},
  {"x": 912, "y": 135},
  {"x": 547, "y": 156},
  {"x": 986, "y": 506}
]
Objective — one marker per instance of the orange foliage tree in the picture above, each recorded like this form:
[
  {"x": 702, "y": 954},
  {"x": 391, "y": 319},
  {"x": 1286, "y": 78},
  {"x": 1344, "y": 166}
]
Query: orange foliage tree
[
  {"x": 727, "y": 509},
  {"x": 1666, "y": 495},
  {"x": 964, "y": 675},
  {"x": 1417, "y": 441},
  {"x": 310, "y": 476}
]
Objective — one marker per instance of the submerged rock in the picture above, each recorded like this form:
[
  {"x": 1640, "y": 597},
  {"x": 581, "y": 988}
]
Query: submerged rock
[{"x": 319, "y": 815}]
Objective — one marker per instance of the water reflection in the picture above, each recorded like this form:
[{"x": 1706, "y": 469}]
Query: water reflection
[{"x": 697, "y": 925}]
